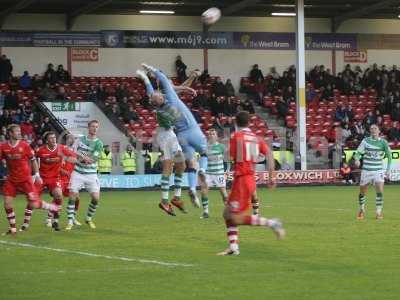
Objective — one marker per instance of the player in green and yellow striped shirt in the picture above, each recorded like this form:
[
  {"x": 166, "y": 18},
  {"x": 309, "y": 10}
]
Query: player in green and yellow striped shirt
[
  {"x": 373, "y": 150},
  {"x": 85, "y": 174},
  {"x": 215, "y": 173}
]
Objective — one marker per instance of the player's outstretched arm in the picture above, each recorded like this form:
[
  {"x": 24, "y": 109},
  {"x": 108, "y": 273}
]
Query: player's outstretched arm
[
  {"x": 182, "y": 88},
  {"x": 149, "y": 88},
  {"x": 166, "y": 84}
]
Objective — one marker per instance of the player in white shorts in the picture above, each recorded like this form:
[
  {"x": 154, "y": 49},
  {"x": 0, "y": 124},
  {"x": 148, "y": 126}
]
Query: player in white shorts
[
  {"x": 85, "y": 174},
  {"x": 215, "y": 173},
  {"x": 372, "y": 150},
  {"x": 172, "y": 155}
]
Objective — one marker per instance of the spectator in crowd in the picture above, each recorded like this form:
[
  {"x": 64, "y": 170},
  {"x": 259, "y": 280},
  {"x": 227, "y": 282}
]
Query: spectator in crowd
[
  {"x": 273, "y": 74},
  {"x": 396, "y": 112},
  {"x": 346, "y": 132},
  {"x": 229, "y": 125},
  {"x": 92, "y": 93},
  {"x": 61, "y": 94},
  {"x": 5, "y": 119},
  {"x": 327, "y": 93},
  {"x": 216, "y": 105},
  {"x": 200, "y": 100},
  {"x": 6, "y": 69},
  {"x": 358, "y": 130},
  {"x": 349, "y": 113},
  {"x": 369, "y": 120},
  {"x": 123, "y": 104},
  {"x": 17, "y": 116},
  {"x": 394, "y": 132},
  {"x": 311, "y": 94},
  {"x": 62, "y": 75},
  {"x": 48, "y": 93},
  {"x": 121, "y": 92},
  {"x": 129, "y": 114},
  {"x": 282, "y": 107},
  {"x": 285, "y": 81},
  {"x": 289, "y": 95},
  {"x": 11, "y": 100},
  {"x": 256, "y": 74},
  {"x": 101, "y": 93},
  {"x": 271, "y": 87},
  {"x": 180, "y": 69},
  {"x": 381, "y": 105},
  {"x": 37, "y": 83},
  {"x": 248, "y": 106},
  {"x": 2, "y": 99},
  {"x": 229, "y": 106},
  {"x": 229, "y": 89},
  {"x": 44, "y": 126},
  {"x": 25, "y": 81},
  {"x": 50, "y": 75},
  {"x": 219, "y": 88},
  {"x": 340, "y": 113},
  {"x": 204, "y": 77}
]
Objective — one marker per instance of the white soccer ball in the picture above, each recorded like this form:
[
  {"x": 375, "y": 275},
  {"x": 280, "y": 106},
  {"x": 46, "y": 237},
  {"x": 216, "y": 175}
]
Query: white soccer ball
[{"x": 211, "y": 16}]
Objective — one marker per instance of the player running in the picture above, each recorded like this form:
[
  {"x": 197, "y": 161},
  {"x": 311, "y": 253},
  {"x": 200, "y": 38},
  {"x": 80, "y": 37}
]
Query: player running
[
  {"x": 372, "y": 150},
  {"x": 21, "y": 161},
  {"x": 189, "y": 134},
  {"x": 51, "y": 156},
  {"x": 85, "y": 174},
  {"x": 245, "y": 148},
  {"x": 215, "y": 174}
]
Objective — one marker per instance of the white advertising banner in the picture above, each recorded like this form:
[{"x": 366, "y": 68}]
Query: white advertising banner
[{"x": 73, "y": 115}]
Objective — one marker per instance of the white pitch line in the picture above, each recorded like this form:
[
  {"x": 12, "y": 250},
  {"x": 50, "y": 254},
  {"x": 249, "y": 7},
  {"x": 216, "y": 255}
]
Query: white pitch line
[{"x": 139, "y": 260}]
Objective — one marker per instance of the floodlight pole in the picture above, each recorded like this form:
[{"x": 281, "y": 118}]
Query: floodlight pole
[{"x": 300, "y": 86}]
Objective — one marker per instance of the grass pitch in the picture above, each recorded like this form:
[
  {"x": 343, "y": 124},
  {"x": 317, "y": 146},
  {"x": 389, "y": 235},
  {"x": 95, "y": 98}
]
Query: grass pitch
[{"x": 138, "y": 252}]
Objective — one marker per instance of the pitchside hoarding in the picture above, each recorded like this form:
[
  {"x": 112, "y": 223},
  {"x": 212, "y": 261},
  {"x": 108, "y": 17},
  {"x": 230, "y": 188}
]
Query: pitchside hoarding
[{"x": 282, "y": 177}]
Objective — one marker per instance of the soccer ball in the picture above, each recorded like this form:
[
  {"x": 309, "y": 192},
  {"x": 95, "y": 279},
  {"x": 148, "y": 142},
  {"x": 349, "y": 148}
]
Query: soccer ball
[{"x": 211, "y": 16}]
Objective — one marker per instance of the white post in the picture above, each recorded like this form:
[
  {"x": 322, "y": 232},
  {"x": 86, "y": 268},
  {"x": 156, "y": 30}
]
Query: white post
[{"x": 300, "y": 85}]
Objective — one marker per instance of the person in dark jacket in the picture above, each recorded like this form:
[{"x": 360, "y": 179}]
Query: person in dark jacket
[
  {"x": 25, "y": 81},
  {"x": 50, "y": 75},
  {"x": 180, "y": 69}
]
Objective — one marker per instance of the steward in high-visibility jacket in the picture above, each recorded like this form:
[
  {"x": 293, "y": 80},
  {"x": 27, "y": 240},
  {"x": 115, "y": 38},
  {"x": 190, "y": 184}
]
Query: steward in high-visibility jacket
[
  {"x": 128, "y": 161},
  {"x": 104, "y": 164}
]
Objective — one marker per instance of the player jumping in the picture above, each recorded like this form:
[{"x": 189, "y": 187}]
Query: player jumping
[
  {"x": 85, "y": 174},
  {"x": 245, "y": 148},
  {"x": 172, "y": 155},
  {"x": 372, "y": 150},
  {"x": 21, "y": 162},
  {"x": 189, "y": 134}
]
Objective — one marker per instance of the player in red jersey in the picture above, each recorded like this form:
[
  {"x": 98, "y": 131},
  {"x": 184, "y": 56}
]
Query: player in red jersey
[
  {"x": 51, "y": 156},
  {"x": 66, "y": 170},
  {"x": 20, "y": 161},
  {"x": 245, "y": 148}
]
